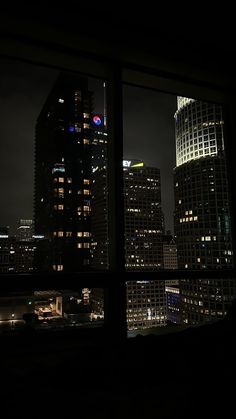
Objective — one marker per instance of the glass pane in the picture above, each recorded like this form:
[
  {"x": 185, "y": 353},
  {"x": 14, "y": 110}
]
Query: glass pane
[
  {"x": 53, "y": 215},
  {"x": 51, "y": 310},
  {"x": 176, "y": 205},
  {"x": 205, "y": 300},
  {"x": 149, "y": 158}
]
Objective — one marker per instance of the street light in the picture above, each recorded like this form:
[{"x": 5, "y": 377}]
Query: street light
[{"x": 12, "y": 316}]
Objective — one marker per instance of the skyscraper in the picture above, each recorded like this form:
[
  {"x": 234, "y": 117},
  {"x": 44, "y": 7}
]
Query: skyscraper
[
  {"x": 143, "y": 216},
  {"x": 99, "y": 213},
  {"x": 146, "y": 306},
  {"x": 142, "y": 206},
  {"x": 62, "y": 205},
  {"x": 202, "y": 218}
]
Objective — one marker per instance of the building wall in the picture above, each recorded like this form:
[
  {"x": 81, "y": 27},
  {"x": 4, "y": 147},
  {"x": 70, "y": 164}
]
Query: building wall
[
  {"x": 143, "y": 236},
  {"x": 146, "y": 305},
  {"x": 143, "y": 244},
  {"x": 63, "y": 175},
  {"x": 173, "y": 306},
  {"x": 202, "y": 219},
  {"x": 170, "y": 260},
  {"x": 143, "y": 218},
  {"x": 99, "y": 214},
  {"x": 199, "y": 130},
  {"x": 202, "y": 216}
]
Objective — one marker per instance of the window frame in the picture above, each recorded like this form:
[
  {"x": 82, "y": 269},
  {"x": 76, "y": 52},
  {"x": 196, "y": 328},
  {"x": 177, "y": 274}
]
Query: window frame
[{"x": 78, "y": 56}]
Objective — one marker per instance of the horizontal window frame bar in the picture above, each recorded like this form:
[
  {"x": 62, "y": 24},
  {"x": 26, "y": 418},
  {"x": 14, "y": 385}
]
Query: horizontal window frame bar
[
  {"x": 55, "y": 49},
  {"x": 131, "y": 53},
  {"x": 76, "y": 280},
  {"x": 175, "y": 85},
  {"x": 53, "y": 56}
]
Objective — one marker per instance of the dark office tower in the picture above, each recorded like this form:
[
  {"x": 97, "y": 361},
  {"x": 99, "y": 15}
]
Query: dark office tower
[
  {"x": 99, "y": 206},
  {"x": 142, "y": 206},
  {"x": 99, "y": 213},
  {"x": 146, "y": 306},
  {"x": 63, "y": 176},
  {"x": 7, "y": 260},
  {"x": 202, "y": 219},
  {"x": 143, "y": 244},
  {"x": 143, "y": 216}
]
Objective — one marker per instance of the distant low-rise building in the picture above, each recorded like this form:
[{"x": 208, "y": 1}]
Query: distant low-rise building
[{"x": 173, "y": 304}]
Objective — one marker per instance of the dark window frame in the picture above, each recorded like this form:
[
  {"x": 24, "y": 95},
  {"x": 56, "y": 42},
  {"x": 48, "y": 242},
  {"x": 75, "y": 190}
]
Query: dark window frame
[{"x": 82, "y": 58}]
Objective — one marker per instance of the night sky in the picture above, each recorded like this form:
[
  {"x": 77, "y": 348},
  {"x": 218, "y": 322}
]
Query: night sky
[{"x": 148, "y": 135}]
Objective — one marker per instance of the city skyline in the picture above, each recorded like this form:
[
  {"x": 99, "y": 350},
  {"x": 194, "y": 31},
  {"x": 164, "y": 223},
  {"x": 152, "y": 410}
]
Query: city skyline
[
  {"x": 23, "y": 91},
  {"x": 69, "y": 148}
]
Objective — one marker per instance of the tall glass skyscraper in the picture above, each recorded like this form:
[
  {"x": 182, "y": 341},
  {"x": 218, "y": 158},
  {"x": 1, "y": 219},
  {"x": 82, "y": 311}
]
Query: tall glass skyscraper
[
  {"x": 143, "y": 216},
  {"x": 202, "y": 218},
  {"x": 62, "y": 204},
  {"x": 146, "y": 305},
  {"x": 144, "y": 229},
  {"x": 99, "y": 214}
]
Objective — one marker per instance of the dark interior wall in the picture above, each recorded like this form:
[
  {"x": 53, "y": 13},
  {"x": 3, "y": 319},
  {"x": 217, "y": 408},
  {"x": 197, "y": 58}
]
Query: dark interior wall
[{"x": 193, "y": 46}]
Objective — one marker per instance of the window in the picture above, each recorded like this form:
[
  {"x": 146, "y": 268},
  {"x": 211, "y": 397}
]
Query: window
[
  {"x": 148, "y": 256},
  {"x": 186, "y": 211}
]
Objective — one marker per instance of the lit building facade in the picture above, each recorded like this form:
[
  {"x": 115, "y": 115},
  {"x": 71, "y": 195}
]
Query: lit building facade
[
  {"x": 17, "y": 252},
  {"x": 202, "y": 218},
  {"x": 62, "y": 206},
  {"x": 173, "y": 304},
  {"x": 7, "y": 253},
  {"x": 170, "y": 260},
  {"x": 99, "y": 214},
  {"x": 24, "y": 230},
  {"x": 146, "y": 306},
  {"x": 143, "y": 216},
  {"x": 142, "y": 206}
]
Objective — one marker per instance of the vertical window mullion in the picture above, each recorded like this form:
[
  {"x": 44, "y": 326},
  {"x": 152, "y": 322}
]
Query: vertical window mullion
[
  {"x": 115, "y": 297},
  {"x": 229, "y": 136}
]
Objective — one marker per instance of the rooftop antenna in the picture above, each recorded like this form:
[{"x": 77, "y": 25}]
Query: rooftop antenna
[{"x": 104, "y": 104}]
